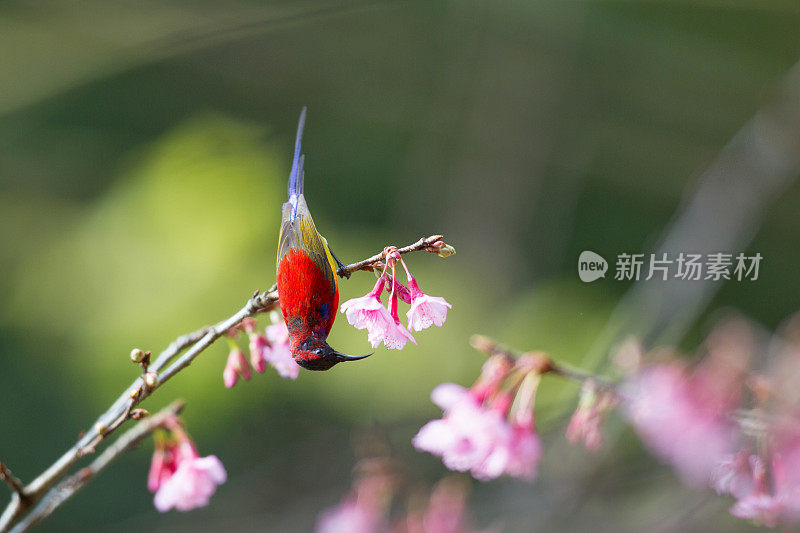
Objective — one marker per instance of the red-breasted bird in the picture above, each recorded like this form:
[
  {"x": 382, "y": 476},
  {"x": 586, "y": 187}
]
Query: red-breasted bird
[{"x": 308, "y": 288}]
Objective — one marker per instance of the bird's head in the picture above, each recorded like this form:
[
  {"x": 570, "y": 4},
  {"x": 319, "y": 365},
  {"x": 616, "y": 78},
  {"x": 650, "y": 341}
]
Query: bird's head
[{"x": 315, "y": 354}]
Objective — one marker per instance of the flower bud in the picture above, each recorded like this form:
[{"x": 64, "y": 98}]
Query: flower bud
[
  {"x": 482, "y": 343},
  {"x": 137, "y": 355},
  {"x": 151, "y": 379},
  {"x": 445, "y": 250},
  {"x": 138, "y": 414},
  {"x": 248, "y": 325},
  {"x": 392, "y": 255}
]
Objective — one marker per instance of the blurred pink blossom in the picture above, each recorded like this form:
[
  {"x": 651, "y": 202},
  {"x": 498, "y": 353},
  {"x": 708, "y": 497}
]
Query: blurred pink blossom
[
  {"x": 446, "y": 512},
  {"x": 278, "y": 352},
  {"x": 476, "y": 436},
  {"x": 772, "y": 499},
  {"x": 680, "y": 419},
  {"x": 180, "y": 478},
  {"x": 192, "y": 484},
  {"x": 585, "y": 422},
  {"x": 162, "y": 467},
  {"x": 466, "y": 435},
  {"x": 734, "y": 474},
  {"x": 258, "y": 343},
  {"x": 525, "y": 452},
  {"x": 759, "y": 505},
  {"x": 236, "y": 367},
  {"x": 350, "y": 517}
]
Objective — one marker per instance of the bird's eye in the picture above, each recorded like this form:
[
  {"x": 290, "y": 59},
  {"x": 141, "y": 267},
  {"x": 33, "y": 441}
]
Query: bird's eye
[{"x": 319, "y": 351}]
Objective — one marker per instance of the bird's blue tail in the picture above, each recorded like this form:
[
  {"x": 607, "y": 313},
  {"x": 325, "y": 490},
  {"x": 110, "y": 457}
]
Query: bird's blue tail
[{"x": 297, "y": 175}]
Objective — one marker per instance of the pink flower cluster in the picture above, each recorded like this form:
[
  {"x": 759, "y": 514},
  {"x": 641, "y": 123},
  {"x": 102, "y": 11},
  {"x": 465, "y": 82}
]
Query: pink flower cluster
[
  {"x": 367, "y": 508},
  {"x": 179, "y": 477},
  {"x": 767, "y": 486},
  {"x": 383, "y": 325},
  {"x": 585, "y": 422},
  {"x": 270, "y": 347},
  {"x": 670, "y": 409},
  {"x": 720, "y": 425},
  {"x": 488, "y": 429}
]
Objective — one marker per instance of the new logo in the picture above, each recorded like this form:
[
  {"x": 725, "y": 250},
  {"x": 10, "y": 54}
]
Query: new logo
[{"x": 591, "y": 266}]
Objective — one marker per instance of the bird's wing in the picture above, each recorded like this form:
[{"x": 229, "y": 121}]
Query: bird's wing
[{"x": 299, "y": 232}]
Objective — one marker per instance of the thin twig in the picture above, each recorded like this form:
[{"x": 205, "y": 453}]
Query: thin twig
[
  {"x": 370, "y": 262},
  {"x": 490, "y": 346},
  {"x": 165, "y": 369},
  {"x": 69, "y": 486},
  {"x": 12, "y": 481}
]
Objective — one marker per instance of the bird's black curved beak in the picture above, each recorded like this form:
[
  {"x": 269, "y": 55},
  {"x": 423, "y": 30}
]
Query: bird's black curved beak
[{"x": 340, "y": 357}]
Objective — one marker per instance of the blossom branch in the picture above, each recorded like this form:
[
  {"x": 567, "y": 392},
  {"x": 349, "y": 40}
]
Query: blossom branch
[
  {"x": 433, "y": 244},
  {"x": 545, "y": 364},
  {"x": 165, "y": 367},
  {"x": 68, "y": 487}
]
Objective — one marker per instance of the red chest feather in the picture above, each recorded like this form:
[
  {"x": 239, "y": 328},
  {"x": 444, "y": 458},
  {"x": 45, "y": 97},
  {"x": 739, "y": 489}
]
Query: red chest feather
[{"x": 308, "y": 298}]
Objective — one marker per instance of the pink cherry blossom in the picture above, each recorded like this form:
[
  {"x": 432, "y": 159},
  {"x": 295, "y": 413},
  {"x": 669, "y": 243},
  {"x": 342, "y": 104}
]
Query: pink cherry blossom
[
  {"x": 366, "y": 509},
  {"x": 180, "y": 478},
  {"x": 469, "y": 437},
  {"x": 759, "y": 505},
  {"x": 678, "y": 422},
  {"x": 402, "y": 291},
  {"x": 258, "y": 343},
  {"x": 446, "y": 511},
  {"x": 766, "y": 499},
  {"x": 762, "y": 508},
  {"x": 194, "y": 482},
  {"x": 585, "y": 422},
  {"x": 734, "y": 474},
  {"x": 425, "y": 311},
  {"x": 475, "y": 434},
  {"x": 368, "y": 312},
  {"x": 585, "y": 426},
  {"x": 784, "y": 488},
  {"x": 277, "y": 333},
  {"x": 493, "y": 372},
  {"x": 446, "y": 395},
  {"x": 278, "y": 352},
  {"x": 525, "y": 452},
  {"x": 350, "y": 517},
  {"x": 161, "y": 467},
  {"x": 236, "y": 367},
  {"x": 396, "y": 335}
]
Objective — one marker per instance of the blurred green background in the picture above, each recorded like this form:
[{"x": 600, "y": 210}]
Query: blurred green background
[{"x": 144, "y": 152}]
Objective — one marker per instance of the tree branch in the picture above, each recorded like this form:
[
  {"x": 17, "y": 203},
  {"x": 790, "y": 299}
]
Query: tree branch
[
  {"x": 12, "y": 481},
  {"x": 490, "y": 346},
  {"x": 165, "y": 367},
  {"x": 427, "y": 244},
  {"x": 68, "y": 487}
]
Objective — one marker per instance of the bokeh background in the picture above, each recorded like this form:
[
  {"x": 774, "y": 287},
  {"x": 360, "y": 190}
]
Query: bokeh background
[{"x": 144, "y": 150}]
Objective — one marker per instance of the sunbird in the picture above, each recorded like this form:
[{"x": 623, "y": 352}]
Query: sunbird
[{"x": 308, "y": 288}]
